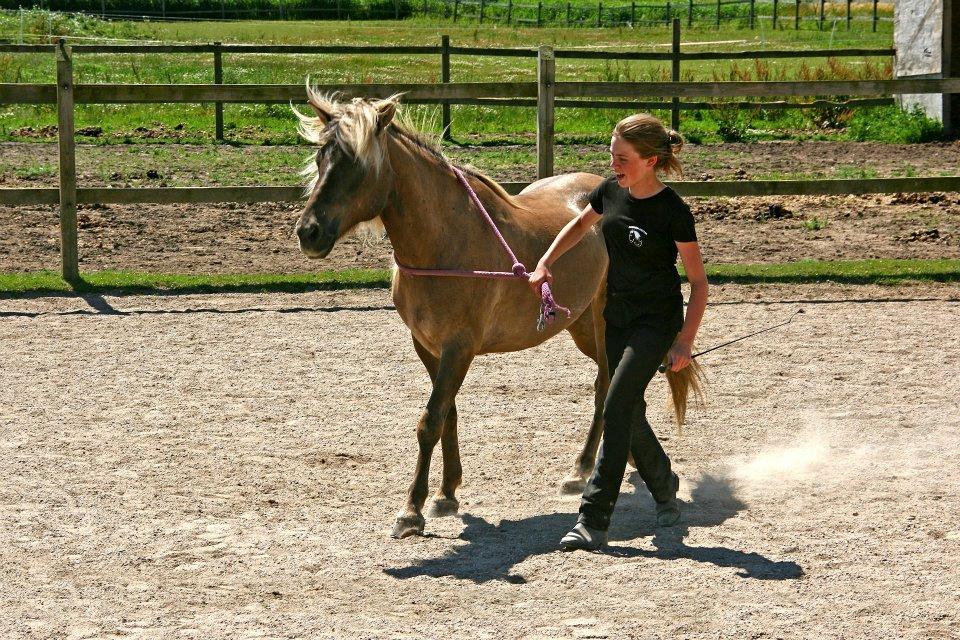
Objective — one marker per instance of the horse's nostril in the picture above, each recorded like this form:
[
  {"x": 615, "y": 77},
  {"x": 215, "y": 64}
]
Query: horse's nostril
[{"x": 308, "y": 232}]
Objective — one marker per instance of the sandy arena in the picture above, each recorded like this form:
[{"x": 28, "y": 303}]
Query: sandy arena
[{"x": 228, "y": 466}]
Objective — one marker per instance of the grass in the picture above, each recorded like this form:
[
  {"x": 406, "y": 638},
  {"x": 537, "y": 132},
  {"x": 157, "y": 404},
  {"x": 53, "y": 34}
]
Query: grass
[
  {"x": 13, "y": 285},
  {"x": 274, "y": 124},
  {"x": 844, "y": 272}
]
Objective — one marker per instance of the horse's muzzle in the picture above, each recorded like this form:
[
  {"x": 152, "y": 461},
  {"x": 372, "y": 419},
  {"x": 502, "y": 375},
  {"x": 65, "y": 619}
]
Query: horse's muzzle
[{"x": 315, "y": 240}]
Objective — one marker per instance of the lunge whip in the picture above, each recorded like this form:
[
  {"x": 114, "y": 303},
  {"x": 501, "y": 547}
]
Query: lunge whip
[{"x": 663, "y": 367}]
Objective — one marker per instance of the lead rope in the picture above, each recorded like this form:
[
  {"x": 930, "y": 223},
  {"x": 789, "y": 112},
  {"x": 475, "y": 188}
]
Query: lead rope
[{"x": 548, "y": 306}]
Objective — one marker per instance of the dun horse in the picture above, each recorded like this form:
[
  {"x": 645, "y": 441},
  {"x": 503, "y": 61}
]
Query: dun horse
[{"x": 369, "y": 168}]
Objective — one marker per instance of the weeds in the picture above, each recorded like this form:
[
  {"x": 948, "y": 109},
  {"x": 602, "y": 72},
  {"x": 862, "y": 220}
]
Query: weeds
[
  {"x": 891, "y": 124},
  {"x": 814, "y": 223}
]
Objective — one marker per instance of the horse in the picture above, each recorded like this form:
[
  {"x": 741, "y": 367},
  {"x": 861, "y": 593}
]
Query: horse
[{"x": 370, "y": 170}]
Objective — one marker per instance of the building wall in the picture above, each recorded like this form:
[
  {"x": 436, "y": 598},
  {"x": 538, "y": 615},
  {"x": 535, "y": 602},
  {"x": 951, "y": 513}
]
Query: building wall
[{"x": 918, "y": 37}]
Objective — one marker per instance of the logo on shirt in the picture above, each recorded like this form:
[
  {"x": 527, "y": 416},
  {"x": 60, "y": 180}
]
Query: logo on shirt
[{"x": 635, "y": 236}]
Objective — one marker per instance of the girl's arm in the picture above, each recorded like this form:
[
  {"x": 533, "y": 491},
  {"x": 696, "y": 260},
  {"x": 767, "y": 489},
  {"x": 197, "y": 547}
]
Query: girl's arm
[
  {"x": 679, "y": 355},
  {"x": 569, "y": 236}
]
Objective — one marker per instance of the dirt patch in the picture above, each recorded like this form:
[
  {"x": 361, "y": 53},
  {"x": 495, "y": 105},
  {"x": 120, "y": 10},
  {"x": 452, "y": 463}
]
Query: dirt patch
[
  {"x": 219, "y": 238},
  {"x": 226, "y": 466}
]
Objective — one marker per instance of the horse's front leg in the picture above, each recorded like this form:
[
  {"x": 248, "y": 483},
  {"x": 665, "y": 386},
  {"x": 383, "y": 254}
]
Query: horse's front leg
[
  {"x": 445, "y": 501},
  {"x": 451, "y": 370}
]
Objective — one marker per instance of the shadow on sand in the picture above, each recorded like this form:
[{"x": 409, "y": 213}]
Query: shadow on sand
[{"x": 493, "y": 550}]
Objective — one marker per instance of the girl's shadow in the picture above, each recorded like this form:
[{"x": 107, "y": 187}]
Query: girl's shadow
[{"x": 492, "y": 550}]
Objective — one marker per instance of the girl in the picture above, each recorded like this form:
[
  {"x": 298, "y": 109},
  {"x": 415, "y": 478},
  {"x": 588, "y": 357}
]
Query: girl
[{"x": 645, "y": 225}]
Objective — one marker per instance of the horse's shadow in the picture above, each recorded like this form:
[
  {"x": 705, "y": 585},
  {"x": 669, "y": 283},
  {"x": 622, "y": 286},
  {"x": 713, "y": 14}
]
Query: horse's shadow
[{"x": 492, "y": 551}]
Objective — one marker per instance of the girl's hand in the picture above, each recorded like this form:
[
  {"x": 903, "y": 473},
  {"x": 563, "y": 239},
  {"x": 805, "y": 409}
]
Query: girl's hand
[
  {"x": 679, "y": 356},
  {"x": 540, "y": 275}
]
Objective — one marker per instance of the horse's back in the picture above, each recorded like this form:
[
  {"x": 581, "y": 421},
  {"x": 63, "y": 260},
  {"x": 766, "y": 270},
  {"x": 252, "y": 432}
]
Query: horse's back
[{"x": 569, "y": 189}]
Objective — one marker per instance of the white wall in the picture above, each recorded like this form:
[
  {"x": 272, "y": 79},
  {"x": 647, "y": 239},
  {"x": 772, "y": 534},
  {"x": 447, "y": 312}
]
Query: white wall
[{"x": 918, "y": 37}]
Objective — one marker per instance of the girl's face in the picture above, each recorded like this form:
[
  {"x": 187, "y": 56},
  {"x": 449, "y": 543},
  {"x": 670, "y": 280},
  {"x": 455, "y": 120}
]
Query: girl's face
[{"x": 627, "y": 164}]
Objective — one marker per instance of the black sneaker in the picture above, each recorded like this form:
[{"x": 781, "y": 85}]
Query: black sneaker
[
  {"x": 583, "y": 537},
  {"x": 668, "y": 512}
]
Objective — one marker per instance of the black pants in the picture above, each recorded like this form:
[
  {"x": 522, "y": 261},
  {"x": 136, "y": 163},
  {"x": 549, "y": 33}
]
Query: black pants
[{"x": 633, "y": 354}]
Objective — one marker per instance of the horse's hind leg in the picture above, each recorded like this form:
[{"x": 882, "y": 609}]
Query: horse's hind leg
[
  {"x": 445, "y": 501},
  {"x": 588, "y": 334},
  {"x": 451, "y": 369}
]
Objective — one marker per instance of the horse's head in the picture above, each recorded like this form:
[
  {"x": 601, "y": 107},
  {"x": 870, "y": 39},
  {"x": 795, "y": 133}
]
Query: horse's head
[{"x": 351, "y": 177}]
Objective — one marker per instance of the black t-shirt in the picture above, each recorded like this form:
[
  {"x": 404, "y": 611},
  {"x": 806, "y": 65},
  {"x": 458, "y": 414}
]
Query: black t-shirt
[{"x": 641, "y": 236}]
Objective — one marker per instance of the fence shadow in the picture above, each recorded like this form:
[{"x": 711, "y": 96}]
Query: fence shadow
[
  {"x": 83, "y": 288},
  {"x": 492, "y": 551}
]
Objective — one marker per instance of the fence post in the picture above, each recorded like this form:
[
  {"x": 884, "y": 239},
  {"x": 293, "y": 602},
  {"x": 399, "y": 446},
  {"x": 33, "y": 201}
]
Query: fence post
[
  {"x": 690, "y": 15},
  {"x": 546, "y": 88},
  {"x": 796, "y": 19},
  {"x": 599, "y": 14},
  {"x": 753, "y": 12},
  {"x": 669, "y": 13},
  {"x": 456, "y": 9},
  {"x": 483, "y": 6},
  {"x": 675, "y": 74},
  {"x": 539, "y": 12},
  {"x": 445, "y": 78},
  {"x": 775, "y": 15},
  {"x": 849, "y": 14},
  {"x": 718, "y": 13},
  {"x": 218, "y": 79},
  {"x": 69, "y": 256},
  {"x": 875, "y": 15},
  {"x": 821, "y": 14},
  {"x": 509, "y": 11},
  {"x": 568, "y": 14},
  {"x": 950, "y": 67}
]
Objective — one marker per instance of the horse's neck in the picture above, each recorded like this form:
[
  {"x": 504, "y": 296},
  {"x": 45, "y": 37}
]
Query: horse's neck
[{"x": 430, "y": 219}]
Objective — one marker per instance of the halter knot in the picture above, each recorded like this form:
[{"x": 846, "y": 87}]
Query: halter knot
[{"x": 520, "y": 271}]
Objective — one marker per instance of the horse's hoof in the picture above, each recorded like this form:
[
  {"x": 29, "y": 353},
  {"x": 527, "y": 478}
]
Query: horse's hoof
[
  {"x": 408, "y": 525},
  {"x": 442, "y": 507},
  {"x": 572, "y": 486}
]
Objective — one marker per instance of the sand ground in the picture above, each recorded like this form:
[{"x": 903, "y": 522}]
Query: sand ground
[{"x": 228, "y": 466}]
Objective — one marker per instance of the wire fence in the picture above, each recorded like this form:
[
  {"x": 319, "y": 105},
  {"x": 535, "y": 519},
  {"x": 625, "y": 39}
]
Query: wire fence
[{"x": 752, "y": 14}]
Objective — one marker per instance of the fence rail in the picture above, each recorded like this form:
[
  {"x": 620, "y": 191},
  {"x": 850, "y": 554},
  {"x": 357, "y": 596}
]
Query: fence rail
[
  {"x": 548, "y": 95},
  {"x": 718, "y": 189},
  {"x": 455, "y": 92}
]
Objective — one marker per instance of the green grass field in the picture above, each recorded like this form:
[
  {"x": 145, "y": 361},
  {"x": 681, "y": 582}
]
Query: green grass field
[
  {"x": 270, "y": 124},
  {"x": 128, "y": 283}
]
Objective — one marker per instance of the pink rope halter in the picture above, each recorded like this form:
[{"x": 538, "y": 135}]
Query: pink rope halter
[{"x": 548, "y": 306}]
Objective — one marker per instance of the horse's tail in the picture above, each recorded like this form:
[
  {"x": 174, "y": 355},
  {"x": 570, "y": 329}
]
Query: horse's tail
[{"x": 690, "y": 378}]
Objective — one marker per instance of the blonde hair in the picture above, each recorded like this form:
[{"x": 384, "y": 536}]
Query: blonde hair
[{"x": 647, "y": 135}]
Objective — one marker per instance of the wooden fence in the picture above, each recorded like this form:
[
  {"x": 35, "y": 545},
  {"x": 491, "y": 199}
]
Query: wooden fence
[
  {"x": 546, "y": 93},
  {"x": 445, "y": 50}
]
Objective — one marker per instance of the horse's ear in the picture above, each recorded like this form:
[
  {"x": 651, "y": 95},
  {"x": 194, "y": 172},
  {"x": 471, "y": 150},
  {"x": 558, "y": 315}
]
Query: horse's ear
[
  {"x": 322, "y": 113},
  {"x": 386, "y": 109}
]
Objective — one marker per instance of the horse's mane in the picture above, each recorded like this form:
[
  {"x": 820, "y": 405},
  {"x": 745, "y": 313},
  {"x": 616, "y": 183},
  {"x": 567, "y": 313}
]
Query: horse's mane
[
  {"x": 354, "y": 127},
  {"x": 405, "y": 131}
]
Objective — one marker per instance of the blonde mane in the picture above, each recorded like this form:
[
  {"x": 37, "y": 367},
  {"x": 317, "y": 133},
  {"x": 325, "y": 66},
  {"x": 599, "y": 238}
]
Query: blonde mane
[{"x": 353, "y": 125}]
